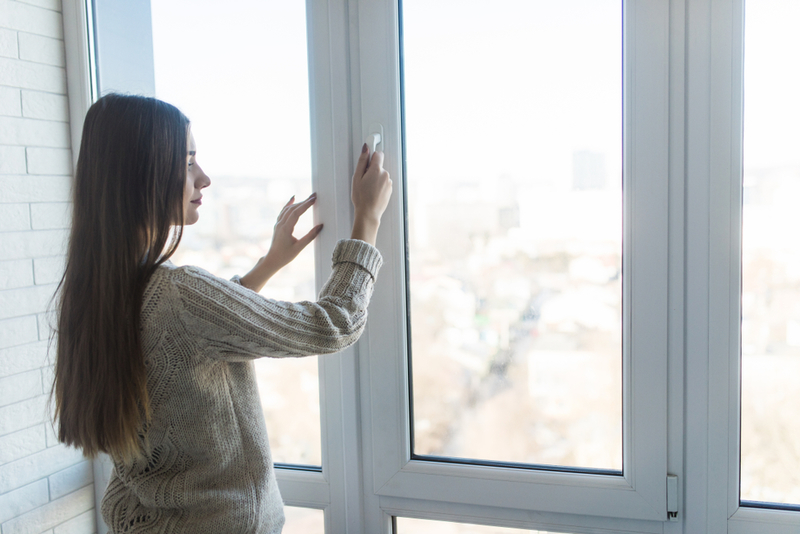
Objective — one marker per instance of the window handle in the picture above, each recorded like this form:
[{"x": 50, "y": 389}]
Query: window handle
[{"x": 375, "y": 137}]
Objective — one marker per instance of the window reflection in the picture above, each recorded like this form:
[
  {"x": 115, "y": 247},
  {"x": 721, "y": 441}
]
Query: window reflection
[
  {"x": 770, "y": 325},
  {"x": 404, "y": 525},
  {"x": 514, "y": 193},
  {"x": 303, "y": 520}
]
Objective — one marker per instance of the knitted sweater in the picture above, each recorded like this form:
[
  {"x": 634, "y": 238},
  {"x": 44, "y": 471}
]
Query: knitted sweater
[{"x": 208, "y": 468}]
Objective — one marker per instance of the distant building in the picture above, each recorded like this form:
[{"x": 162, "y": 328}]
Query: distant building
[{"x": 507, "y": 202}]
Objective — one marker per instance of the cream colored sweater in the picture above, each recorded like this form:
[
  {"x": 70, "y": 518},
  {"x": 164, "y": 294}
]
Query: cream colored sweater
[{"x": 210, "y": 469}]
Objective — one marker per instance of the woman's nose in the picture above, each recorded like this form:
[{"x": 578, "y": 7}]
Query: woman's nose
[{"x": 204, "y": 181}]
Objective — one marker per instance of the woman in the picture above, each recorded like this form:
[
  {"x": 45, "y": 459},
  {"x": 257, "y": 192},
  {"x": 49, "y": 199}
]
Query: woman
[{"x": 154, "y": 362}]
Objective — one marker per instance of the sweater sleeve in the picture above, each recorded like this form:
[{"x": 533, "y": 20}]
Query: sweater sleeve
[{"x": 238, "y": 324}]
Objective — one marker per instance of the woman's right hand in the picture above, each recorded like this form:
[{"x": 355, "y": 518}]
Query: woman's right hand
[{"x": 371, "y": 191}]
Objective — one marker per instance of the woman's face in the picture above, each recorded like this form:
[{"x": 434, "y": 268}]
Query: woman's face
[{"x": 196, "y": 180}]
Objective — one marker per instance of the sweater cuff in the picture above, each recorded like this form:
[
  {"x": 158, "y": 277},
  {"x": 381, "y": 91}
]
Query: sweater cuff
[
  {"x": 359, "y": 252},
  {"x": 236, "y": 279}
]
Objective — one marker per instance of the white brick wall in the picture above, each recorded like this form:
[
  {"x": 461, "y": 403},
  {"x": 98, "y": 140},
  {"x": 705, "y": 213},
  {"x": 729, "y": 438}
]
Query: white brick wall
[
  {"x": 10, "y": 100},
  {"x": 44, "y": 486},
  {"x": 41, "y": 49},
  {"x": 8, "y": 43},
  {"x": 47, "y": 106},
  {"x": 15, "y": 217}
]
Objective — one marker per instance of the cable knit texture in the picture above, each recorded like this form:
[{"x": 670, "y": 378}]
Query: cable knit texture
[{"x": 208, "y": 467}]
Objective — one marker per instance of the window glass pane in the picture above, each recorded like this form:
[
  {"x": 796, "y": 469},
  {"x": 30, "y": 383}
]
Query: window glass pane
[
  {"x": 425, "y": 526},
  {"x": 513, "y": 139},
  {"x": 241, "y": 76},
  {"x": 771, "y": 254},
  {"x": 303, "y": 520}
]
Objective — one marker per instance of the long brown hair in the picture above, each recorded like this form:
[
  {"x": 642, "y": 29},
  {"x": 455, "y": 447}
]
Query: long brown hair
[{"x": 127, "y": 220}]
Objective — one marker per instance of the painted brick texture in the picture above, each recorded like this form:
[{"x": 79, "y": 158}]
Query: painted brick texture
[{"x": 44, "y": 486}]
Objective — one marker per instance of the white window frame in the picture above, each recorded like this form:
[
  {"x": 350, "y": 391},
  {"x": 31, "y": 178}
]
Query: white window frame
[
  {"x": 683, "y": 117},
  {"x": 715, "y": 171},
  {"x": 640, "y": 494}
]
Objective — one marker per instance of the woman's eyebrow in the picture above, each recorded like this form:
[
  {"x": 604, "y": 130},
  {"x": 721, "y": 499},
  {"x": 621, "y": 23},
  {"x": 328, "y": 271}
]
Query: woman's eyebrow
[{"x": 192, "y": 152}]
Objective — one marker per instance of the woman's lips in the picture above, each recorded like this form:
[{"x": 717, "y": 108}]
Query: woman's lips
[{"x": 199, "y": 201}]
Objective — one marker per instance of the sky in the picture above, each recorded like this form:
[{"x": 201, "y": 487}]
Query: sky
[
  {"x": 772, "y": 83},
  {"x": 511, "y": 87},
  {"x": 503, "y": 87},
  {"x": 241, "y": 76},
  {"x": 481, "y": 83}
]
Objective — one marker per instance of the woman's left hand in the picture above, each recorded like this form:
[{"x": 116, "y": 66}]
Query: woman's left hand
[{"x": 285, "y": 247}]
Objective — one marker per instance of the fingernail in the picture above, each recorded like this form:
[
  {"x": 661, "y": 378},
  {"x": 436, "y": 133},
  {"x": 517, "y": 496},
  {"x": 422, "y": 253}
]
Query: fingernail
[{"x": 364, "y": 148}]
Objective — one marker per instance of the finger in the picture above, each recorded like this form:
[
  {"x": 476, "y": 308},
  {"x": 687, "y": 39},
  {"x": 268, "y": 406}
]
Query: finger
[
  {"x": 298, "y": 209},
  {"x": 377, "y": 159},
  {"x": 311, "y": 198},
  {"x": 363, "y": 161},
  {"x": 309, "y": 237},
  {"x": 285, "y": 209}
]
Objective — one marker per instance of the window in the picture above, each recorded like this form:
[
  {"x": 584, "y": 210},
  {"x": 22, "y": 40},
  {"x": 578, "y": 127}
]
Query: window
[
  {"x": 514, "y": 230},
  {"x": 423, "y": 526},
  {"x": 770, "y": 303},
  {"x": 675, "y": 165},
  {"x": 267, "y": 122},
  {"x": 720, "y": 342}
]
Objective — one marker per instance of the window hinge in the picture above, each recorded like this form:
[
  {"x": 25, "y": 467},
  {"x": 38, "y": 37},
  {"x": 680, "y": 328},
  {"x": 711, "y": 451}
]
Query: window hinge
[{"x": 672, "y": 497}]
